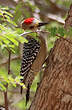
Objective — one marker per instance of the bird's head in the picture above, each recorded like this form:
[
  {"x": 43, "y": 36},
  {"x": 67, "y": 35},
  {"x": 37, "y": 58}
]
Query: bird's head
[
  {"x": 27, "y": 23},
  {"x": 32, "y": 24}
]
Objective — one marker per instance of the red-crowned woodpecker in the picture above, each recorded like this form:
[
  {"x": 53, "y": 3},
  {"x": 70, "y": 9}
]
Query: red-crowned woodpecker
[
  {"x": 34, "y": 54},
  {"x": 32, "y": 24}
]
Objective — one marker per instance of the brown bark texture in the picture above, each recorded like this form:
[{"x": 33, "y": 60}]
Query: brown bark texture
[{"x": 55, "y": 89}]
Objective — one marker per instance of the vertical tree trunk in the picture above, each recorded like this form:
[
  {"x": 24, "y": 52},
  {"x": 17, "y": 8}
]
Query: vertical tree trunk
[{"x": 55, "y": 89}]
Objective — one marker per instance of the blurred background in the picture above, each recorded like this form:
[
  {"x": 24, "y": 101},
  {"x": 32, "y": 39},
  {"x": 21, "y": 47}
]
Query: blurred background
[{"x": 53, "y": 11}]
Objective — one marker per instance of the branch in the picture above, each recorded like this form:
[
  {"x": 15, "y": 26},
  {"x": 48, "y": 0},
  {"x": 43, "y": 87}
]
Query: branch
[
  {"x": 9, "y": 61},
  {"x": 12, "y": 59},
  {"x": 56, "y": 18},
  {"x": 16, "y": 96},
  {"x": 6, "y": 100},
  {"x": 5, "y": 93}
]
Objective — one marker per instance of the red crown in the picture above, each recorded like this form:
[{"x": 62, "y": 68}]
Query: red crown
[{"x": 28, "y": 20}]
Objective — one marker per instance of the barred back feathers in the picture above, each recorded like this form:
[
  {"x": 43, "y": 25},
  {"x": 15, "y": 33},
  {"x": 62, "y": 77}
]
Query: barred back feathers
[{"x": 30, "y": 51}]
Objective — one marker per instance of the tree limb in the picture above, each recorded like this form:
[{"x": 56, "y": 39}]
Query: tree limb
[{"x": 12, "y": 59}]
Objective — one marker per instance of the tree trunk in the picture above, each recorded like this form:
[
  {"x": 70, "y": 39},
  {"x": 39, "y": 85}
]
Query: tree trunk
[{"x": 55, "y": 89}]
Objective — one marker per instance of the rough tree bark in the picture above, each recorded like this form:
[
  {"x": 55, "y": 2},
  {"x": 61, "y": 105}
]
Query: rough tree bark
[{"x": 55, "y": 89}]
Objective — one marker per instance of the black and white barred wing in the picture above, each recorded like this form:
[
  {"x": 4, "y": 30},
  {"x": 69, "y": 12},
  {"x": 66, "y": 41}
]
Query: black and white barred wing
[{"x": 30, "y": 51}]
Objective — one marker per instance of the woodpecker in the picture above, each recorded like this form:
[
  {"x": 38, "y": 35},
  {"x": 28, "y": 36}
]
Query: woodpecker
[{"x": 34, "y": 54}]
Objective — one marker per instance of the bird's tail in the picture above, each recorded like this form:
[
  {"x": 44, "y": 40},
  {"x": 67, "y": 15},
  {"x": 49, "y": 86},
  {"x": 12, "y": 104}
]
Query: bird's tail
[
  {"x": 42, "y": 24},
  {"x": 27, "y": 94},
  {"x": 21, "y": 89}
]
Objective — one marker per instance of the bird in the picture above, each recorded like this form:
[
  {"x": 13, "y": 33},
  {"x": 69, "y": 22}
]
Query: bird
[{"x": 34, "y": 54}]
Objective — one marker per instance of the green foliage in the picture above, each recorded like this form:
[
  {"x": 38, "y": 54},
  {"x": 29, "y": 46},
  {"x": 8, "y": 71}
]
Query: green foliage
[
  {"x": 9, "y": 36},
  {"x": 59, "y": 31},
  {"x": 9, "y": 39},
  {"x": 10, "y": 81},
  {"x": 53, "y": 31},
  {"x": 18, "y": 13},
  {"x": 22, "y": 12},
  {"x": 2, "y": 87},
  {"x": 65, "y": 3}
]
